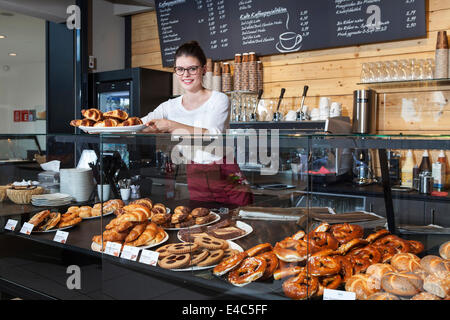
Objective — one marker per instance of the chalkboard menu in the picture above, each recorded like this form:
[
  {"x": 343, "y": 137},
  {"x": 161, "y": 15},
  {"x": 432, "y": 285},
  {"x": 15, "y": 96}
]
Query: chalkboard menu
[{"x": 226, "y": 27}]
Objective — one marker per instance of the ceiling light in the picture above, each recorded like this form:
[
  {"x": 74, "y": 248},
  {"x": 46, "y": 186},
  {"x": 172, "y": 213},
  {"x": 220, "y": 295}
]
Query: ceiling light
[
  {"x": 2, "y": 36},
  {"x": 12, "y": 54}
]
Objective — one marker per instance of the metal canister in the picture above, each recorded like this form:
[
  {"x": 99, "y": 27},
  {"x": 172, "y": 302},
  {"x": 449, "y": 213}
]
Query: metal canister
[{"x": 426, "y": 183}]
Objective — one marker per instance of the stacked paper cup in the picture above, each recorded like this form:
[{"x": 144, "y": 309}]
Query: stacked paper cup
[
  {"x": 245, "y": 85},
  {"x": 335, "y": 109},
  {"x": 324, "y": 108},
  {"x": 227, "y": 80},
  {"x": 252, "y": 72},
  {"x": 217, "y": 77},
  {"x": 79, "y": 183},
  {"x": 237, "y": 72},
  {"x": 208, "y": 78}
]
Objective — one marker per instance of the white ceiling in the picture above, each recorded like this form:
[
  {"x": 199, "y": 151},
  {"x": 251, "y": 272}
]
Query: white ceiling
[{"x": 25, "y": 36}]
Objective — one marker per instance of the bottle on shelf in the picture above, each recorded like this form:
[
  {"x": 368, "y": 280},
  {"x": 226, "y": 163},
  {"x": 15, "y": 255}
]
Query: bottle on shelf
[
  {"x": 407, "y": 170},
  {"x": 425, "y": 164},
  {"x": 439, "y": 172}
]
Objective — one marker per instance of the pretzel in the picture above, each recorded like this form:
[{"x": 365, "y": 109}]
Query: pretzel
[
  {"x": 290, "y": 250},
  {"x": 287, "y": 272},
  {"x": 322, "y": 240},
  {"x": 323, "y": 266},
  {"x": 346, "y": 232},
  {"x": 377, "y": 235},
  {"x": 251, "y": 269},
  {"x": 301, "y": 287},
  {"x": 369, "y": 252},
  {"x": 271, "y": 264},
  {"x": 395, "y": 242},
  {"x": 416, "y": 247},
  {"x": 229, "y": 264},
  {"x": 329, "y": 282},
  {"x": 259, "y": 249},
  {"x": 346, "y": 265}
]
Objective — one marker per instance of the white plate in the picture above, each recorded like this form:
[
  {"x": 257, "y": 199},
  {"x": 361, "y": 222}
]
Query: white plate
[
  {"x": 54, "y": 230},
  {"x": 95, "y": 217},
  {"x": 231, "y": 244},
  {"x": 51, "y": 197},
  {"x": 136, "y": 128},
  {"x": 241, "y": 225},
  {"x": 198, "y": 225},
  {"x": 96, "y": 247}
]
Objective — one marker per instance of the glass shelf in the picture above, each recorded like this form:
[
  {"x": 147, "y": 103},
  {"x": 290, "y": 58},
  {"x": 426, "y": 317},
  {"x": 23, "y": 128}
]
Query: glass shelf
[{"x": 408, "y": 83}]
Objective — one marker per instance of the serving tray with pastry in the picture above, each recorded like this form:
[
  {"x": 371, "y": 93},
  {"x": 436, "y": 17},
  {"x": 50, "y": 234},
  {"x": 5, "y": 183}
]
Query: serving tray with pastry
[
  {"x": 227, "y": 229},
  {"x": 183, "y": 217},
  {"x": 204, "y": 253},
  {"x": 115, "y": 121},
  {"x": 131, "y": 227},
  {"x": 46, "y": 221}
]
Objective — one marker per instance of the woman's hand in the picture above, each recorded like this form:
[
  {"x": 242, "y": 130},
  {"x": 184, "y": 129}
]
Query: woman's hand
[{"x": 158, "y": 126}]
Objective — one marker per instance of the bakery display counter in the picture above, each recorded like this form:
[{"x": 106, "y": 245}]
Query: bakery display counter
[{"x": 236, "y": 231}]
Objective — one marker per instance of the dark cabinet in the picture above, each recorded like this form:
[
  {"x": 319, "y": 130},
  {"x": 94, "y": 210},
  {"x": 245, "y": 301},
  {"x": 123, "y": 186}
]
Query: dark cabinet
[
  {"x": 407, "y": 212},
  {"x": 437, "y": 213}
]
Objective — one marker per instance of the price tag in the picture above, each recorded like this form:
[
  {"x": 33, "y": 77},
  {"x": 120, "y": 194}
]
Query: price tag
[
  {"x": 130, "y": 253},
  {"x": 149, "y": 257},
  {"x": 61, "y": 236},
  {"x": 27, "y": 228},
  {"x": 11, "y": 225},
  {"x": 113, "y": 248},
  {"x": 329, "y": 294}
]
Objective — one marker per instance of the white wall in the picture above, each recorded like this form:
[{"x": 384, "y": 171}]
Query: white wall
[{"x": 108, "y": 37}]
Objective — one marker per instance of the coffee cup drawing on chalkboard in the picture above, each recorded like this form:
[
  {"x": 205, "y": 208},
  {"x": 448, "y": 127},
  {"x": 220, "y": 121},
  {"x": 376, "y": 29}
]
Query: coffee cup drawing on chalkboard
[{"x": 289, "y": 41}]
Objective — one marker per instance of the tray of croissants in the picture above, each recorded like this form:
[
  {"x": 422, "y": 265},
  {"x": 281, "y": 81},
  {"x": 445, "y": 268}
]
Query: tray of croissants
[
  {"x": 115, "y": 121},
  {"x": 132, "y": 227},
  {"x": 47, "y": 221},
  {"x": 380, "y": 266}
]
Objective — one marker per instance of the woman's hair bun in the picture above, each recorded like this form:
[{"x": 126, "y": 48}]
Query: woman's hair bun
[{"x": 191, "y": 49}]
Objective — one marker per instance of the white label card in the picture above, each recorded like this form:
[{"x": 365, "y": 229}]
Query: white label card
[
  {"x": 329, "y": 294},
  {"x": 61, "y": 236},
  {"x": 149, "y": 257},
  {"x": 113, "y": 248},
  {"x": 130, "y": 253},
  {"x": 11, "y": 225},
  {"x": 27, "y": 228}
]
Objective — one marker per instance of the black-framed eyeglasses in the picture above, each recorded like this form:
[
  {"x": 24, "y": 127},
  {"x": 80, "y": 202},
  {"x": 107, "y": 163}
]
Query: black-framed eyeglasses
[{"x": 192, "y": 70}]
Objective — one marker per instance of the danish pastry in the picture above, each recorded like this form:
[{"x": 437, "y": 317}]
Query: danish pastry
[
  {"x": 116, "y": 114},
  {"x": 51, "y": 222},
  {"x": 39, "y": 217},
  {"x": 107, "y": 123},
  {"x": 92, "y": 114},
  {"x": 133, "y": 121}
]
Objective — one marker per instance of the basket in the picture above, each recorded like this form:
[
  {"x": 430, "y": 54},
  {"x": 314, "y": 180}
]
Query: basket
[
  {"x": 23, "y": 196},
  {"x": 3, "y": 192}
]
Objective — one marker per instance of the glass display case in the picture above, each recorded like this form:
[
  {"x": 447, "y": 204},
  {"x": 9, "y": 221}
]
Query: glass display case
[{"x": 248, "y": 215}]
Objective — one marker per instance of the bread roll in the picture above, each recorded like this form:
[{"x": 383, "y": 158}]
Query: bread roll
[
  {"x": 433, "y": 264},
  {"x": 402, "y": 283},
  {"x": 425, "y": 296},
  {"x": 362, "y": 285},
  {"x": 406, "y": 262},
  {"x": 377, "y": 271},
  {"x": 439, "y": 286},
  {"x": 444, "y": 250},
  {"x": 383, "y": 296}
]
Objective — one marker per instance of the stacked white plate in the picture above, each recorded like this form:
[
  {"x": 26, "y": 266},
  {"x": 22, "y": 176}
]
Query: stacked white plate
[
  {"x": 78, "y": 183},
  {"x": 51, "y": 200}
]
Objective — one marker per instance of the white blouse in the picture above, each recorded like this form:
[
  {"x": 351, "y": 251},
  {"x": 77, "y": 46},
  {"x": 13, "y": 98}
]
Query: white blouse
[{"x": 213, "y": 115}]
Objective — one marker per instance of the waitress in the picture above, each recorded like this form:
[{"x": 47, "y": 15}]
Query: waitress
[{"x": 197, "y": 111}]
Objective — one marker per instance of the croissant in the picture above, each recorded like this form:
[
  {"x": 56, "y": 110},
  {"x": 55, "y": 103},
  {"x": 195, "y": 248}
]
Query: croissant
[
  {"x": 107, "y": 123},
  {"x": 138, "y": 208},
  {"x": 136, "y": 216},
  {"x": 150, "y": 232},
  {"x": 68, "y": 223},
  {"x": 82, "y": 123},
  {"x": 114, "y": 235},
  {"x": 136, "y": 232},
  {"x": 133, "y": 121},
  {"x": 39, "y": 217},
  {"x": 144, "y": 201},
  {"x": 116, "y": 114},
  {"x": 52, "y": 221},
  {"x": 92, "y": 114},
  {"x": 159, "y": 237}
]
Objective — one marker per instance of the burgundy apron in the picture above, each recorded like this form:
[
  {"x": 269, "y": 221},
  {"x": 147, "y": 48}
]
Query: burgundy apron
[{"x": 214, "y": 182}]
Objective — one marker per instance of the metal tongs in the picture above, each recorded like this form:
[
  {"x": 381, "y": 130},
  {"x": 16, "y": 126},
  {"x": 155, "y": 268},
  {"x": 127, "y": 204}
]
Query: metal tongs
[
  {"x": 254, "y": 115},
  {"x": 277, "y": 114},
  {"x": 300, "y": 114}
]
